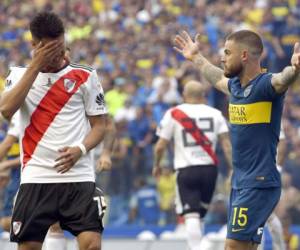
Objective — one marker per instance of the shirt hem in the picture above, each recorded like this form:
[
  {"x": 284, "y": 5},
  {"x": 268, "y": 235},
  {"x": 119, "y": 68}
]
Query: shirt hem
[{"x": 57, "y": 181}]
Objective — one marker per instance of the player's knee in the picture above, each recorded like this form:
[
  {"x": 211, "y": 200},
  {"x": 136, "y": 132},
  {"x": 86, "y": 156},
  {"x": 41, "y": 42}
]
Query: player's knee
[
  {"x": 232, "y": 245},
  {"x": 29, "y": 245},
  {"x": 229, "y": 244},
  {"x": 239, "y": 245},
  {"x": 89, "y": 241},
  {"x": 95, "y": 245}
]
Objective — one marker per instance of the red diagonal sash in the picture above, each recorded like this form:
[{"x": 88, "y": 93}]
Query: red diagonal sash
[
  {"x": 199, "y": 136},
  {"x": 50, "y": 105}
]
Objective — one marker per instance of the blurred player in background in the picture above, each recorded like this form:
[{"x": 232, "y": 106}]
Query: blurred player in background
[
  {"x": 62, "y": 118},
  {"x": 10, "y": 147},
  {"x": 196, "y": 128},
  {"x": 256, "y": 102},
  {"x": 273, "y": 223}
]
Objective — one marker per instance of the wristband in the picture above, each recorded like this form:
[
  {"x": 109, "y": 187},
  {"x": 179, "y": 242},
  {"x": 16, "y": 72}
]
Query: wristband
[{"x": 82, "y": 148}]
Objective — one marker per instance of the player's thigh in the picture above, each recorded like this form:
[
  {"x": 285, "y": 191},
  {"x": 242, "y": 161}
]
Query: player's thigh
[
  {"x": 249, "y": 210},
  {"x": 34, "y": 211},
  {"x": 5, "y": 223},
  {"x": 81, "y": 208},
  {"x": 89, "y": 241},
  {"x": 191, "y": 194},
  {"x": 239, "y": 245},
  {"x": 30, "y": 245}
]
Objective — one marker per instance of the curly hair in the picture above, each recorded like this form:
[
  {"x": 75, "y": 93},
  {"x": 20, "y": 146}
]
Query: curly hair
[{"x": 46, "y": 25}]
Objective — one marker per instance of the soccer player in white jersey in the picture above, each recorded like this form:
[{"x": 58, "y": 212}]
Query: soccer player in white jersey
[
  {"x": 273, "y": 223},
  {"x": 55, "y": 239},
  {"x": 196, "y": 129},
  {"x": 63, "y": 116}
]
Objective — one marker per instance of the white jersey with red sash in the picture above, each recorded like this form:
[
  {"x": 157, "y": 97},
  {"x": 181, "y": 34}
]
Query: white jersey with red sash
[
  {"x": 54, "y": 115},
  {"x": 195, "y": 129}
]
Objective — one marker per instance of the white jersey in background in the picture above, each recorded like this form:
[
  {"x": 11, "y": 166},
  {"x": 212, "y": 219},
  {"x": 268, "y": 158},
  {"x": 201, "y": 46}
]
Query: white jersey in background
[
  {"x": 187, "y": 152},
  {"x": 281, "y": 134},
  {"x": 54, "y": 115}
]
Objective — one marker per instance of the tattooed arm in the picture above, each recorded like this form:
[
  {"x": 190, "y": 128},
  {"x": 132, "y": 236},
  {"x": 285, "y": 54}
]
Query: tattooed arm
[
  {"x": 281, "y": 81},
  {"x": 213, "y": 74},
  {"x": 190, "y": 50}
]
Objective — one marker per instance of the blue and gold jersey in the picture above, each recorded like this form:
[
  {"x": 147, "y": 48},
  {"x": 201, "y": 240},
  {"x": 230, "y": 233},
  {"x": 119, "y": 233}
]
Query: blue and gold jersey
[
  {"x": 255, "y": 114},
  {"x": 14, "y": 150}
]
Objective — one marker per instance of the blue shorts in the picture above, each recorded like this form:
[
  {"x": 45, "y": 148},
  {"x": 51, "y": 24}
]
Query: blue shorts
[
  {"x": 10, "y": 192},
  {"x": 249, "y": 209}
]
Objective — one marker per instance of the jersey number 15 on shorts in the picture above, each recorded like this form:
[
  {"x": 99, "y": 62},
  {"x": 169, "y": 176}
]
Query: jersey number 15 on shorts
[{"x": 240, "y": 216}]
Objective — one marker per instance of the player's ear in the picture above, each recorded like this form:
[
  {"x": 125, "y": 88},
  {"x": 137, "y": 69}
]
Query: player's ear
[
  {"x": 35, "y": 41},
  {"x": 244, "y": 55}
]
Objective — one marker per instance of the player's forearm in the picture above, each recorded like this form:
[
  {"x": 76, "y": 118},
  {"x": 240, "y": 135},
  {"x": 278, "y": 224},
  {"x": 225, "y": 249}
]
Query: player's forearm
[
  {"x": 211, "y": 73},
  {"x": 6, "y": 144},
  {"x": 228, "y": 156},
  {"x": 227, "y": 149},
  {"x": 14, "y": 163},
  {"x": 281, "y": 152},
  {"x": 4, "y": 148},
  {"x": 289, "y": 75},
  {"x": 13, "y": 99},
  {"x": 96, "y": 134},
  {"x": 158, "y": 154},
  {"x": 110, "y": 136},
  {"x": 284, "y": 79}
]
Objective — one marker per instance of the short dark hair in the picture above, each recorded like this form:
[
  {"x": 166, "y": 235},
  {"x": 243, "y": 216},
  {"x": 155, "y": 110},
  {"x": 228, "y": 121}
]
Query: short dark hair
[
  {"x": 46, "y": 25},
  {"x": 249, "y": 38}
]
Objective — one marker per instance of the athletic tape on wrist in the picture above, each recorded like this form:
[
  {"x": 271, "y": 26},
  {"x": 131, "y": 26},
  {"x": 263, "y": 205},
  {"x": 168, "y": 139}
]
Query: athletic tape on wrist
[{"x": 82, "y": 148}]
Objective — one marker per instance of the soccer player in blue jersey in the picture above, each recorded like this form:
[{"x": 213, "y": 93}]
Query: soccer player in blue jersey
[{"x": 255, "y": 108}]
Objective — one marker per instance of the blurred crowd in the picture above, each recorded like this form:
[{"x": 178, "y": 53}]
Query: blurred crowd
[{"x": 130, "y": 43}]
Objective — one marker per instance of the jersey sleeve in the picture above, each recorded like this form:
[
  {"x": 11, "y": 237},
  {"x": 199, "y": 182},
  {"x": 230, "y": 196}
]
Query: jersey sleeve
[
  {"x": 166, "y": 126},
  {"x": 13, "y": 77},
  {"x": 266, "y": 88},
  {"x": 94, "y": 96},
  {"x": 14, "y": 126},
  {"x": 222, "y": 125}
]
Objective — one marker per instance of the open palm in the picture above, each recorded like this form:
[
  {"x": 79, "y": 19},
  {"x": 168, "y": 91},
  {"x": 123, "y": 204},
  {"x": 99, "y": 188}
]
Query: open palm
[
  {"x": 295, "y": 61},
  {"x": 186, "y": 46}
]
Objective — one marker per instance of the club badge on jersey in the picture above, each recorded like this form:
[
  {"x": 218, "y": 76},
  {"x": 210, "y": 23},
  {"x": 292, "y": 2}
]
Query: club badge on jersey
[
  {"x": 16, "y": 227},
  {"x": 69, "y": 84}
]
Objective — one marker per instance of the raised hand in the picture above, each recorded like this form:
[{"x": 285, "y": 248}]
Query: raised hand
[
  {"x": 44, "y": 54},
  {"x": 186, "y": 46},
  {"x": 295, "y": 61}
]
